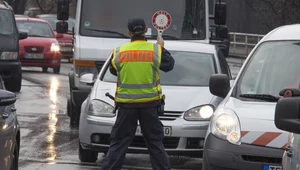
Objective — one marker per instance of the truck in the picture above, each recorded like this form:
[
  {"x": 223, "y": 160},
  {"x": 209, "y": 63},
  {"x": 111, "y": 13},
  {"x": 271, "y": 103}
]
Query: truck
[{"x": 101, "y": 25}]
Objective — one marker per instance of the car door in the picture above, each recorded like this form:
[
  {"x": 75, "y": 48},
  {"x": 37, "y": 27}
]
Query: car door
[{"x": 7, "y": 136}]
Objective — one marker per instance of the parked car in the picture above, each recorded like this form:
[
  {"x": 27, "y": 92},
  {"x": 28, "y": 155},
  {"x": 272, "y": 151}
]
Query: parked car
[
  {"x": 40, "y": 49},
  {"x": 10, "y": 66},
  {"x": 242, "y": 133},
  {"x": 66, "y": 41},
  {"x": 33, "y": 12},
  {"x": 287, "y": 116},
  {"x": 10, "y": 130},
  {"x": 189, "y": 104}
]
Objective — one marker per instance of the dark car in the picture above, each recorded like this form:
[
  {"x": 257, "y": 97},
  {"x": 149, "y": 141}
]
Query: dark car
[
  {"x": 9, "y": 130},
  {"x": 10, "y": 66},
  {"x": 65, "y": 41}
]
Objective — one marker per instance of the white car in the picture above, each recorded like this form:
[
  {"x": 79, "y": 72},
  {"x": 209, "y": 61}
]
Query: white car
[
  {"x": 242, "y": 134},
  {"x": 189, "y": 104}
]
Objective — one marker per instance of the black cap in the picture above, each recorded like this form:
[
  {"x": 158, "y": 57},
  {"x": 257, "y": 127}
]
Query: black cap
[{"x": 136, "y": 25}]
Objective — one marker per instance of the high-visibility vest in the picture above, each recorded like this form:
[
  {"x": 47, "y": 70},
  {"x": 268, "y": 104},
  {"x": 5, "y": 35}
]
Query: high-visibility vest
[{"x": 137, "y": 64}]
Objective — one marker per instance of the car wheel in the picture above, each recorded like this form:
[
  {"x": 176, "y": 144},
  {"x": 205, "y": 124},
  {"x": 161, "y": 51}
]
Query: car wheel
[
  {"x": 56, "y": 70},
  {"x": 15, "y": 162},
  {"x": 69, "y": 109},
  {"x": 87, "y": 155},
  {"x": 14, "y": 85},
  {"x": 45, "y": 69},
  {"x": 74, "y": 118}
]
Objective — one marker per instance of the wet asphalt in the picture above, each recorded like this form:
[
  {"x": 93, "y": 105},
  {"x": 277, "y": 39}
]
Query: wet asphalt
[{"x": 47, "y": 141}]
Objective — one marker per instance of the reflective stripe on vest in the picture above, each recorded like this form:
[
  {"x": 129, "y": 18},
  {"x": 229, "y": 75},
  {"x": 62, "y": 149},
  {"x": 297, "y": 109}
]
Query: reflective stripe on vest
[{"x": 130, "y": 53}]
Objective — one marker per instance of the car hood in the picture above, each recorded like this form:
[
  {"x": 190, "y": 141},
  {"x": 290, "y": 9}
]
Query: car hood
[
  {"x": 178, "y": 98},
  {"x": 38, "y": 41},
  {"x": 67, "y": 39},
  {"x": 8, "y": 43},
  {"x": 257, "y": 123}
]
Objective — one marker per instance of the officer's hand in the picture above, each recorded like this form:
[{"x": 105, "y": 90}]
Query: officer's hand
[{"x": 160, "y": 41}]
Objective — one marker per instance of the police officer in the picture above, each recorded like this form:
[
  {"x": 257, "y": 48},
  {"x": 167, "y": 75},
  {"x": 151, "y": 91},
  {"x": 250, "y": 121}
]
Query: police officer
[{"x": 138, "y": 95}]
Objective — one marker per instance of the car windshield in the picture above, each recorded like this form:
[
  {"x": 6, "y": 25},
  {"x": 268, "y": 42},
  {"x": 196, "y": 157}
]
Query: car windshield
[
  {"x": 190, "y": 69},
  {"x": 188, "y": 17},
  {"x": 6, "y": 22},
  {"x": 35, "y": 29},
  {"x": 53, "y": 20},
  {"x": 273, "y": 67}
]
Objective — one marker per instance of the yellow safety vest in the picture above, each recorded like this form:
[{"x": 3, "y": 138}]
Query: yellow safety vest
[{"x": 137, "y": 64}]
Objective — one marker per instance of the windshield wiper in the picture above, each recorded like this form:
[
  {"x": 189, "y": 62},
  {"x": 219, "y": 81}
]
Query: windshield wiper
[
  {"x": 164, "y": 36},
  {"x": 266, "y": 97},
  {"x": 108, "y": 31},
  {"x": 36, "y": 35}
]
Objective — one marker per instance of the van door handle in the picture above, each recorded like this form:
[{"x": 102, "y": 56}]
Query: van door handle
[
  {"x": 289, "y": 151},
  {"x": 13, "y": 109}
]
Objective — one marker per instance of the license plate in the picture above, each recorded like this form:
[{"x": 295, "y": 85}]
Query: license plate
[
  {"x": 34, "y": 56},
  {"x": 167, "y": 131},
  {"x": 271, "y": 167},
  {"x": 67, "y": 49}
]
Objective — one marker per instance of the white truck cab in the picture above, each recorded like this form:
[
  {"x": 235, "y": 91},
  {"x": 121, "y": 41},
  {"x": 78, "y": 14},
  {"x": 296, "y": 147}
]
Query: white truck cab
[{"x": 101, "y": 25}]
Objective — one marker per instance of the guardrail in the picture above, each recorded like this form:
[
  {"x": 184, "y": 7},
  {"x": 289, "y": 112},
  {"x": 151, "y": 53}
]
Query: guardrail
[{"x": 241, "y": 44}]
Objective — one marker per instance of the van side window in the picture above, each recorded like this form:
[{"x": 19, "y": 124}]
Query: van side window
[{"x": 223, "y": 64}]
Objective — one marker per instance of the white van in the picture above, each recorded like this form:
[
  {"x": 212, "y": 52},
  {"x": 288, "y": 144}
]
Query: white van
[
  {"x": 242, "y": 133},
  {"x": 101, "y": 25}
]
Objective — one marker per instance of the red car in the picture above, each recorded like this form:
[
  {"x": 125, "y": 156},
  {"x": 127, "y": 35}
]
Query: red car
[
  {"x": 66, "y": 42},
  {"x": 41, "y": 48}
]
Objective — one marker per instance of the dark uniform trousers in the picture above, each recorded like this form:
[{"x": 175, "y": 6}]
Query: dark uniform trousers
[{"x": 123, "y": 133}]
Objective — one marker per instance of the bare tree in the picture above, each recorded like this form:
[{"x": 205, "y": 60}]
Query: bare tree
[
  {"x": 274, "y": 13},
  {"x": 48, "y": 6}
]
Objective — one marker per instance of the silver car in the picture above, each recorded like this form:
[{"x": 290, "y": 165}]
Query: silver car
[
  {"x": 189, "y": 103},
  {"x": 9, "y": 130}
]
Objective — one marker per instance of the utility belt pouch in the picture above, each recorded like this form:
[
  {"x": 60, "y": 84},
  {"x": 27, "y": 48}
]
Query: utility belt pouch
[{"x": 161, "y": 109}]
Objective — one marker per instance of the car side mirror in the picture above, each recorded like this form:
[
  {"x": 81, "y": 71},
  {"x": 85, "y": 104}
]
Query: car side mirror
[
  {"x": 88, "y": 79},
  {"x": 219, "y": 85},
  {"x": 222, "y": 32},
  {"x": 63, "y": 10},
  {"x": 23, "y": 35},
  {"x": 287, "y": 114},
  {"x": 7, "y": 98},
  {"x": 62, "y": 27},
  {"x": 220, "y": 13},
  {"x": 59, "y": 35}
]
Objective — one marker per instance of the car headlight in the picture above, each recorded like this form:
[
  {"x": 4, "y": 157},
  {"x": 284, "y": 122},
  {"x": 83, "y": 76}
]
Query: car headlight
[
  {"x": 226, "y": 125},
  {"x": 55, "y": 47},
  {"x": 100, "y": 108},
  {"x": 203, "y": 112},
  {"x": 9, "y": 55}
]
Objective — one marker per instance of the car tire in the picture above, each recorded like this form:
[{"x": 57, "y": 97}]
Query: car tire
[
  {"x": 74, "y": 116},
  {"x": 45, "y": 69},
  {"x": 69, "y": 109},
  {"x": 15, "y": 162},
  {"x": 15, "y": 84},
  {"x": 87, "y": 155},
  {"x": 56, "y": 70}
]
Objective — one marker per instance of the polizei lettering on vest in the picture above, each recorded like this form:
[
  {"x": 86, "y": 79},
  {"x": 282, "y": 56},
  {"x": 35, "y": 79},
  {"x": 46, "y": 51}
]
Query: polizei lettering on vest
[{"x": 137, "y": 56}]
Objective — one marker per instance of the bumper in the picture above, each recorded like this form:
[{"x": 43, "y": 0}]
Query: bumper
[
  {"x": 51, "y": 59},
  {"x": 9, "y": 70},
  {"x": 220, "y": 154},
  {"x": 186, "y": 139}
]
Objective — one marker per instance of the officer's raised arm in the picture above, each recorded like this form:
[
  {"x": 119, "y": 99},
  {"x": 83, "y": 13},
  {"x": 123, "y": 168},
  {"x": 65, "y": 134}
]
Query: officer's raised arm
[
  {"x": 111, "y": 67},
  {"x": 167, "y": 61}
]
